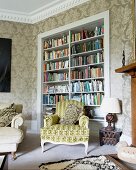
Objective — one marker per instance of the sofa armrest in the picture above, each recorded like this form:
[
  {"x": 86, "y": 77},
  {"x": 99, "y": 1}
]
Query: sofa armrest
[
  {"x": 84, "y": 121},
  {"x": 17, "y": 121},
  {"x": 51, "y": 120}
]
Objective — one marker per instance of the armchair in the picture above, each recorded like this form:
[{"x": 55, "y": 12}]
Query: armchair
[{"x": 68, "y": 125}]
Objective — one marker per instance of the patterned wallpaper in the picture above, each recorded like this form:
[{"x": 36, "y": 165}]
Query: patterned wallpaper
[
  {"x": 24, "y": 54},
  {"x": 23, "y": 64}
]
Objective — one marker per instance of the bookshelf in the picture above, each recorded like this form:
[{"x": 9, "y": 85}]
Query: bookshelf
[{"x": 73, "y": 63}]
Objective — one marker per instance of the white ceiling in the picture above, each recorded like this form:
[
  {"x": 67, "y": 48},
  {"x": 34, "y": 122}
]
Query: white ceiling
[
  {"x": 26, "y": 6},
  {"x": 31, "y": 11}
]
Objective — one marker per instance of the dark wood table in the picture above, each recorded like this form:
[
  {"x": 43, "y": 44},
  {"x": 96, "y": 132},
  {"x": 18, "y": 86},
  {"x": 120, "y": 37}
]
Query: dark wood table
[
  {"x": 4, "y": 162},
  {"x": 109, "y": 137}
]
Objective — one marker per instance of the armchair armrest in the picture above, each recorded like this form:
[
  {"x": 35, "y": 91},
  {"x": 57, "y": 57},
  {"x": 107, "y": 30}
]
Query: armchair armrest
[
  {"x": 17, "y": 121},
  {"x": 51, "y": 120},
  {"x": 84, "y": 121}
]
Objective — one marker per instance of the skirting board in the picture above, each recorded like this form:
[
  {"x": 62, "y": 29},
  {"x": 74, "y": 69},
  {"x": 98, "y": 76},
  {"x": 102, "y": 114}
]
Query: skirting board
[
  {"x": 31, "y": 126},
  {"x": 93, "y": 126},
  {"x": 126, "y": 138}
]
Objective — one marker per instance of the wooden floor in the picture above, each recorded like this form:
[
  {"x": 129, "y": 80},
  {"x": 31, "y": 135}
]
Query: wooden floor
[{"x": 123, "y": 165}]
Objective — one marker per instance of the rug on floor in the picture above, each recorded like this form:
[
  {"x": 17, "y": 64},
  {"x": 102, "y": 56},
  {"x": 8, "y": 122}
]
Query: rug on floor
[{"x": 89, "y": 163}]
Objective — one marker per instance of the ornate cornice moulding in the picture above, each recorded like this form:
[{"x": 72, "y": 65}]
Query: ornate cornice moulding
[
  {"x": 16, "y": 17},
  {"x": 40, "y": 14}
]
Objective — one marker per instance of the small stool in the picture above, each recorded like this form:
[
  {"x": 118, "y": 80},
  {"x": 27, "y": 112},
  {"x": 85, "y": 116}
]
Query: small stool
[
  {"x": 125, "y": 152},
  {"x": 9, "y": 139}
]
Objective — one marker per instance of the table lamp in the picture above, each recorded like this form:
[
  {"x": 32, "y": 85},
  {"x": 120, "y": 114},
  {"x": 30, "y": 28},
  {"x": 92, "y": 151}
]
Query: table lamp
[{"x": 110, "y": 106}]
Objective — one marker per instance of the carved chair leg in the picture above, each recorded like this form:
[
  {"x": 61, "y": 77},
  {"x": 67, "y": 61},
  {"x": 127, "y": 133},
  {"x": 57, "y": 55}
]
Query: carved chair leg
[
  {"x": 13, "y": 155},
  {"x": 86, "y": 147},
  {"x": 42, "y": 145}
]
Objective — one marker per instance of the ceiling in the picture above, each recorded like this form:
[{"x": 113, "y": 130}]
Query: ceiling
[
  {"x": 31, "y": 11},
  {"x": 26, "y": 6}
]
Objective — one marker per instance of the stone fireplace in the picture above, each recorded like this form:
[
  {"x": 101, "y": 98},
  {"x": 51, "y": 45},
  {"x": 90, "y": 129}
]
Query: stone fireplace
[{"x": 130, "y": 117}]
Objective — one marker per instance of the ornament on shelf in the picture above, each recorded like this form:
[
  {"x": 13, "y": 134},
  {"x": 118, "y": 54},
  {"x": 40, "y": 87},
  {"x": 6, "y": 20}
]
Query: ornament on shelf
[{"x": 123, "y": 59}]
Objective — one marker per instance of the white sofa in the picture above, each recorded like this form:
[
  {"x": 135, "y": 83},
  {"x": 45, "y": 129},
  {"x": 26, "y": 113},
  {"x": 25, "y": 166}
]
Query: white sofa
[{"x": 12, "y": 135}]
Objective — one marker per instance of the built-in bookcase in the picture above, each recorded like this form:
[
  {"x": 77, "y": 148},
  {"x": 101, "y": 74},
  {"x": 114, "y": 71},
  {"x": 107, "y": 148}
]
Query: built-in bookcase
[{"x": 74, "y": 64}]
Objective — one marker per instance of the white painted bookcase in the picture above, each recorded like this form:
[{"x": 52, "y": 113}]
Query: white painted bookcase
[{"x": 73, "y": 63}]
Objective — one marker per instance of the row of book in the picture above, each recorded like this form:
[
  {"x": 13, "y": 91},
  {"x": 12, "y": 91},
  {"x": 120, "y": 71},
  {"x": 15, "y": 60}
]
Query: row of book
[
  {"x": 84, "y": 60},
  {"x": 57, "y": 65},
  {"x": 88, "y": 46},
  {"x": 56, "y": 89},
  {"x": 75, "y": 49},
  {"x": 94, "y": 85},
  {"x": 84, "y": 33},
  {"x": 55, "y": 42},
  {"x": 75, "y": 74},
  {"x": 90, "y": 99},
  {"x": 49, "y": 99},
  {"x": 64, "y": 39},
  {"x": 49, "y": 55},
  {"x": 76, "y": 61},
  {"x": 55, "y": 76},
  {"x": 88, "y": 72},
  {"x": 87, "y": 99}
]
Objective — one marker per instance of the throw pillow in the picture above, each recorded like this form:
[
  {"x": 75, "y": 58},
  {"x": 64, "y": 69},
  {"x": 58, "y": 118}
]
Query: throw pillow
[
  {"x": 71, "y": 115},
  {"x": 6, "y": 115}
]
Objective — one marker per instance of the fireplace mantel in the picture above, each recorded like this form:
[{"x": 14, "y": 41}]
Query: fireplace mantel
[{"x": 131, "y": 70}]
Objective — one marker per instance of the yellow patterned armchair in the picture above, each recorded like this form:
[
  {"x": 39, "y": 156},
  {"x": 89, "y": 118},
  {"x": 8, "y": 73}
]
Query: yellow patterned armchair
[{"x": 68, "y": 125}]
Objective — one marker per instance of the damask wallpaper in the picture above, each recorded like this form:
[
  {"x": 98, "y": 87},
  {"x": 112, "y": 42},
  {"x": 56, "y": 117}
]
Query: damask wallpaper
[
  {"x": 24, "y": 53},
  {"x": 23, "y": 83}
]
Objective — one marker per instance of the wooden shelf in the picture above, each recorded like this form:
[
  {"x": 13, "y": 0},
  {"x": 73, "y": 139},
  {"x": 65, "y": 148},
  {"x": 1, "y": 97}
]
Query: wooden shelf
[{"x": 126, "y": 69}]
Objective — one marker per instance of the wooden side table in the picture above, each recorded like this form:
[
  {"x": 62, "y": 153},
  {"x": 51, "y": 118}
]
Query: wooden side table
[{"x": 109, "y": 137}]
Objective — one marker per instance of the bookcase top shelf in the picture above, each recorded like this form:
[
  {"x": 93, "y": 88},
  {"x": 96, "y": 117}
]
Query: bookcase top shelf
[
  {"x": 93, "y": 64},
  {"x": 87, "y": 39},
  {"x": 57, "y": 47},
  {"x": 95, "y": 78},
  {"x": 88, "y": 92},
  {"x": 59, "y": 82},
  {"x": 88, "y": 52},
  {"x": 58, "y": 70},
  {"x": 57, "y": 59},
  {"x": 127, "y": 69}
]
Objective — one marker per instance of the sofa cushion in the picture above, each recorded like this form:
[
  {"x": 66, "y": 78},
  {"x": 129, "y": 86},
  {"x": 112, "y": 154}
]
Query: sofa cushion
[
  {"x": 6, "y": 115},
  {"x": 10, "y": 135},
  {"x": 4, "y": 105},
  {"x": 71, "y": 114}
]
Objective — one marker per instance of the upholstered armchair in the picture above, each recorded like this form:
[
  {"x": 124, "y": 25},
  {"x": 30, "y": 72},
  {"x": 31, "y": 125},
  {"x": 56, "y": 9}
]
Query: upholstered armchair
[{"x": 68, "y": 125}]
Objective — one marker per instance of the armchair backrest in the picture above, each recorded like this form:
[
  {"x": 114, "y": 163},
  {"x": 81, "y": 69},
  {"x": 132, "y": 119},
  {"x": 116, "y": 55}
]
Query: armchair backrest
[{"x": 61, "y": 107}]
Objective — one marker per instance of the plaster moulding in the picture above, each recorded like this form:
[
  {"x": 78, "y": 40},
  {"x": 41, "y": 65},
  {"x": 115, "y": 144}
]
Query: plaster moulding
[{"x": 40, "y": 14}]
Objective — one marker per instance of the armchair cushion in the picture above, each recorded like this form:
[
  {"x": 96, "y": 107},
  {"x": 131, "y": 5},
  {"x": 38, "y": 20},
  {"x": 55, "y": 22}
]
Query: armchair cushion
[
  {"x": 6, "y": 115},
  {"x": 65, "y": 133},
  {"x": 51, "y": 120},
  {"x": 72, "y": 114}
]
